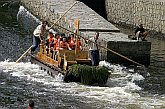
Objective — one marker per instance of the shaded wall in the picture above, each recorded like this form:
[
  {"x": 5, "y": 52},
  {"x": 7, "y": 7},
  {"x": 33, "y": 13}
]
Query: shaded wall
[
  {"x": 137, "y": 51},
  {"x": 97, "y": 5}
]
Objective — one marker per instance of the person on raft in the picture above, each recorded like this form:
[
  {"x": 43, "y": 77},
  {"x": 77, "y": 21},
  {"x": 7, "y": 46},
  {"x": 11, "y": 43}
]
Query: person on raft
[
  {"x": 50, "y": 41},
  {"x": 93, "y": 49},
  {"x": 39, "y": 34},
  {"x": 64, "y": 44}
]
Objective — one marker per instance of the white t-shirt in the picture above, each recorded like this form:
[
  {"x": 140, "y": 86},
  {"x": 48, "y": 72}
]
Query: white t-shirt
[
  {"x": 41, "y": 31},
  {"x": 93, "y": 46}
]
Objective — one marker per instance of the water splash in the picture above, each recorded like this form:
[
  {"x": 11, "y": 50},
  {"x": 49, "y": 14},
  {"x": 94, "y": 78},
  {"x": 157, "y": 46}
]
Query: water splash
[{"x": 123, "y": 93}]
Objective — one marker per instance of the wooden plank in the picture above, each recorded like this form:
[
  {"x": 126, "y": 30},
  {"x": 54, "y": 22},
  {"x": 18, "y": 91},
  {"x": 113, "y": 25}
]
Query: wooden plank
[
  {"x": 51, "y": 69},
  {"x": 82, "y": 55},
  {"x": 83, "y": 60}
]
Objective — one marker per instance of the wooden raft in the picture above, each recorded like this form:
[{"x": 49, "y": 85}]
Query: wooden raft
[{"x": 63, "y": 58}]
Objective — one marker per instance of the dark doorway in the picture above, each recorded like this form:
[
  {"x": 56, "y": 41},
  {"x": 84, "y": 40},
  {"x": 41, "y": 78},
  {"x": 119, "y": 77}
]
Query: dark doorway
[{"x": 97, "y": 5}]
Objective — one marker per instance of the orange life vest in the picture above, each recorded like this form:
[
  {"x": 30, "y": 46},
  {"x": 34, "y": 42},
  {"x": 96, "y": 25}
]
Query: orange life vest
[
  {"x": 64, "y": 45},
  {"x": 50, "y": 39},
  {"x": 72, "y": 44},
  {"x": 73, "y": 39},
  {"x": 78, "y": 44},
  {"x": 56, "y": 46}
]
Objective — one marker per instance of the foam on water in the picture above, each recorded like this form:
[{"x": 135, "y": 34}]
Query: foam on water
[{"x": 122, "y": 94}]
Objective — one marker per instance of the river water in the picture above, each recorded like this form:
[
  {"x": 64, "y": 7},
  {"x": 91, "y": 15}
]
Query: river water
[{"x": 127, "y": 88}]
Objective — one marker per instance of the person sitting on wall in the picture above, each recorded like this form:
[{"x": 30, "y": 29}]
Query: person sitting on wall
[
  {"x": 140, "y": 33},
  {"x": 39, "y": 34}
]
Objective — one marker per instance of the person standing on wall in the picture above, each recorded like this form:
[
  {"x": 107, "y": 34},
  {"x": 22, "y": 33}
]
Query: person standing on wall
[
  {"x": 39, "y": 35},
  {"x": 94, "y": 50}
]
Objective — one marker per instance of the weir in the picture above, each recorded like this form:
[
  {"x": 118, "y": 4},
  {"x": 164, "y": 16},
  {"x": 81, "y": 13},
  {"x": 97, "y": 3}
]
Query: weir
[{"x": 90, "y": 22}]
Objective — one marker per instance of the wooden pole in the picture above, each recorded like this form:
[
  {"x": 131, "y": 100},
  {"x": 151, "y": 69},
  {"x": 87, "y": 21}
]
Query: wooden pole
[
  {"x": 24, "y": 54},
  {"x": 76, "y": 26},
  {"x": 104, "y": 47}
]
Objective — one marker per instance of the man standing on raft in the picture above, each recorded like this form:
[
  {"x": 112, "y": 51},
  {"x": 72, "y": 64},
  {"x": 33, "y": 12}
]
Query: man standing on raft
[
  {"x": 39, "y": 34},
  {"x": 94, "y": 50}
]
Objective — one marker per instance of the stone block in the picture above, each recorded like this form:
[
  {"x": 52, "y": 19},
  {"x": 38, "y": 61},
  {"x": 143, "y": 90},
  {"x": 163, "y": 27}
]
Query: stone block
[{"x": 137, "y": 51}]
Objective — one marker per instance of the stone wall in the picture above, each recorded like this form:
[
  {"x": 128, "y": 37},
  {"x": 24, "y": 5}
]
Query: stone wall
[
  {"x": 137, "y": 51},
  {"x": 132, "y": 12}
]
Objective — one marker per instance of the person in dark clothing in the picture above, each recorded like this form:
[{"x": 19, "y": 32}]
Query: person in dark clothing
[
  {"x": 140, "y": 33},
  {"x": 31, "y": 104}
]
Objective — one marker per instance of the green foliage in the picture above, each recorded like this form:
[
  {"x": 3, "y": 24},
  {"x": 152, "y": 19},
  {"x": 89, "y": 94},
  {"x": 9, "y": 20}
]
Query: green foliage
[
  {"x": 90, "y": 75},
  {"x": 74, "y": 70},
  {"x": 101, "y": 75},
  {"x": 86, "y": 75}
]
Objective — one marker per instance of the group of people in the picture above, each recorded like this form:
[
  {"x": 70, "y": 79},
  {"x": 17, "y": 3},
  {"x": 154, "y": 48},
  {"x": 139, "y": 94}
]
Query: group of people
[
  {"x": 59, "y": 41},
  {"x": 56, "y": 42}
]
